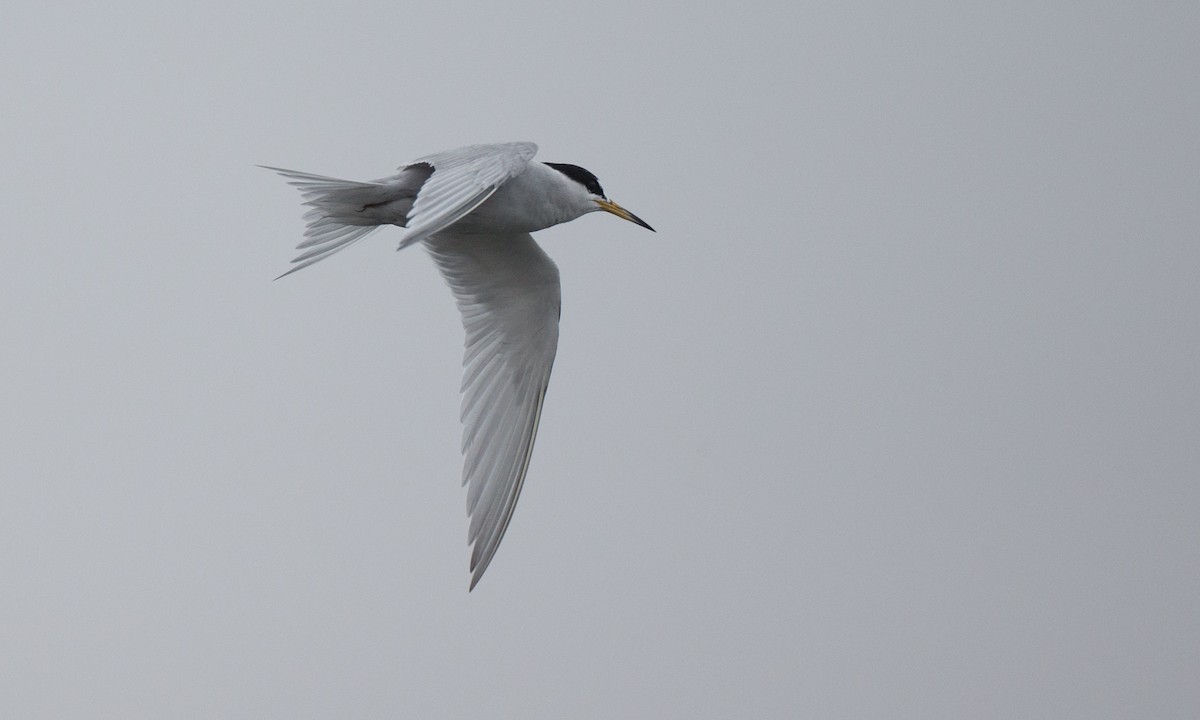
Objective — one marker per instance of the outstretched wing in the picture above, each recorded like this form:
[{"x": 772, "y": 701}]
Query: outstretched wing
[
  {"x": 462, "y": 179},
  {"x": 507, "y": 290}
]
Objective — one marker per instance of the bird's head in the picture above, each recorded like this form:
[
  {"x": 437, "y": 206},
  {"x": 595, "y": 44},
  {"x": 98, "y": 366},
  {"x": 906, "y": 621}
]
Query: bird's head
[{"x": 592, "y": 196}]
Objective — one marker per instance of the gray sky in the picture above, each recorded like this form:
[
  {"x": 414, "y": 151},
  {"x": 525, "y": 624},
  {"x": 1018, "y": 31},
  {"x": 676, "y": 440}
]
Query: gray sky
[{"x": 896, "y": 416}]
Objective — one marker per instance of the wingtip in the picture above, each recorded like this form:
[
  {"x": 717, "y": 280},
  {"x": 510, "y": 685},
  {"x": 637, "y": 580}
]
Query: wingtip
[{"x": 289, "y": 272}]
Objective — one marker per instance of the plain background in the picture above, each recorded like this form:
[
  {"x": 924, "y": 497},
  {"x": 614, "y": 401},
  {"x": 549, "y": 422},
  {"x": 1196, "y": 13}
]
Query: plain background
[{"x": 896, "y": 416}]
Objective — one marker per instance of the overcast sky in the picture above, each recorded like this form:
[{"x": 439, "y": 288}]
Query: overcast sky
[{"x": 896, "y": 416}]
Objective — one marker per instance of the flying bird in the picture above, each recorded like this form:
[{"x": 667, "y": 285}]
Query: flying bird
[{"x": 473, "y": 209}]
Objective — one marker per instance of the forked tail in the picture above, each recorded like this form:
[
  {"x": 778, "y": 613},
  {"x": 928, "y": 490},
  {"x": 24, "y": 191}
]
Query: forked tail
[{"x": 339, "y": 215}]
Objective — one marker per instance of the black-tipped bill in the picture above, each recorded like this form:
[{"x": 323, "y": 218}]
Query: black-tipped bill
[{"x": 615, "y": 209}]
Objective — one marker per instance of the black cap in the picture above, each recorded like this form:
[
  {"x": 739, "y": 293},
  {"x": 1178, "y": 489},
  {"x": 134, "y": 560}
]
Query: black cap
[{"x": 581, "y": 176}]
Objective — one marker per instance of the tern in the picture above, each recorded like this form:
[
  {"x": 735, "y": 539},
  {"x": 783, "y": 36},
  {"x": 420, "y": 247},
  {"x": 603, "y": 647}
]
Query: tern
[{"x": 473, "y": 209}]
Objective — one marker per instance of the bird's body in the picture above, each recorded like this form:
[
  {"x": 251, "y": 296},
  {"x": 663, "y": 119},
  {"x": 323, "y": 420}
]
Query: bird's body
[
  {"x": 538, "y": 198},
  {"x": 473, "y": 208}
]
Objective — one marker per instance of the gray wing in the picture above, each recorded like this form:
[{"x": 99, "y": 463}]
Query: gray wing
[
  {"x": 462, "y": 179},
  {"x": 507, "y": 290}
]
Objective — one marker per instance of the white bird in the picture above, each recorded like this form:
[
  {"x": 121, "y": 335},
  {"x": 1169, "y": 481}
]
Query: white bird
[{"x": 473, "y": 208}]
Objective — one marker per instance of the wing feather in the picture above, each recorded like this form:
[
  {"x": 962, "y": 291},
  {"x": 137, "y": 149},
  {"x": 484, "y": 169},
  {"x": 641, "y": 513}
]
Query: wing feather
[{"x": 507, "y": 290}]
